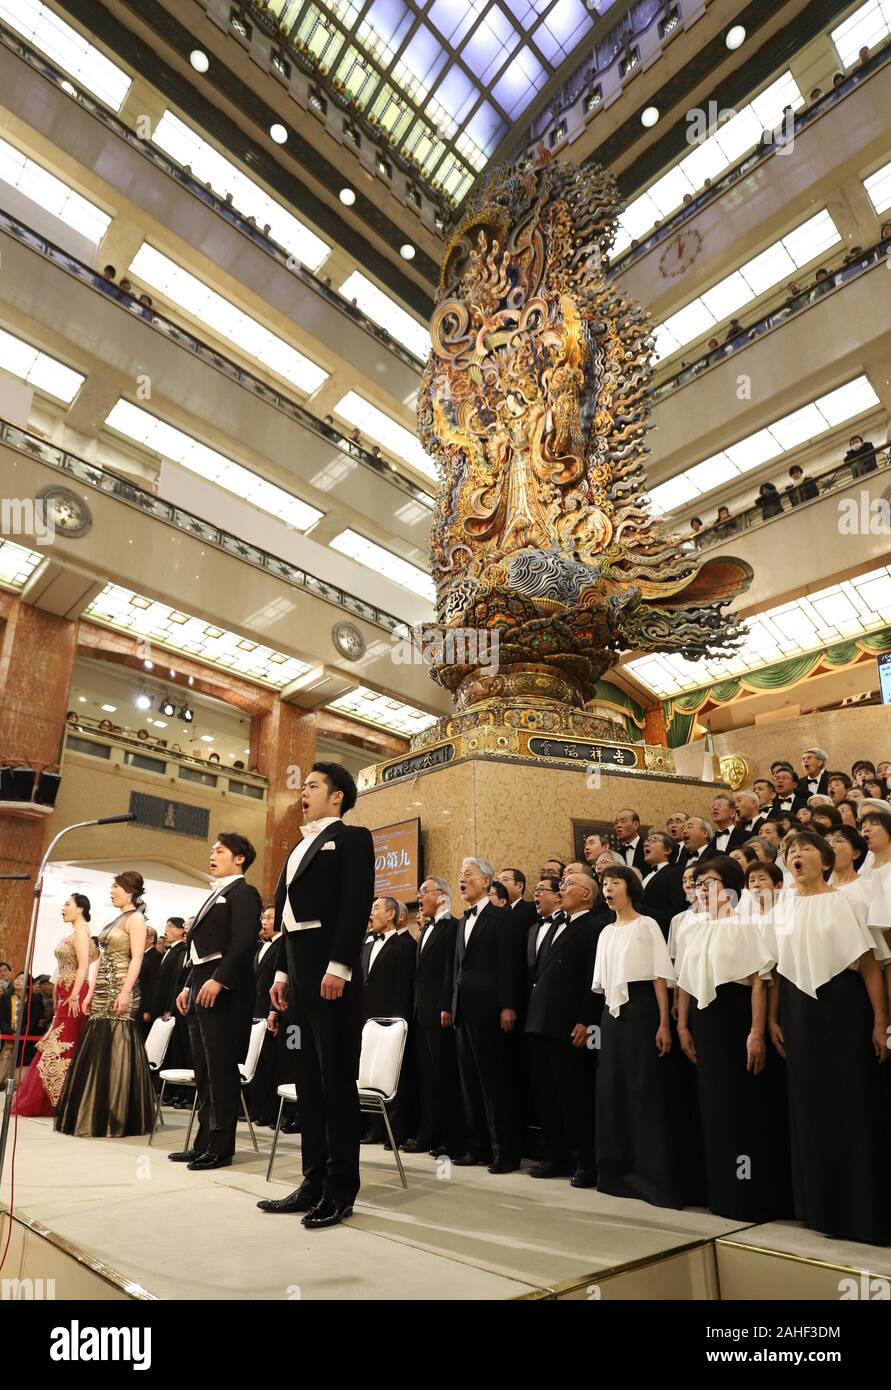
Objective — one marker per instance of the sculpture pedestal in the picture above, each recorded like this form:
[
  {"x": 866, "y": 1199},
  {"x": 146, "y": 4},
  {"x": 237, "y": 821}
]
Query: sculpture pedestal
[{"x": 516, "y": 813}]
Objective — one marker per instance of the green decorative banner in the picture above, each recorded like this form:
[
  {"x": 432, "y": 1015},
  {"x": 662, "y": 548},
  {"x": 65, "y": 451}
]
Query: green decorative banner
[{"x": 680, "y": 711}]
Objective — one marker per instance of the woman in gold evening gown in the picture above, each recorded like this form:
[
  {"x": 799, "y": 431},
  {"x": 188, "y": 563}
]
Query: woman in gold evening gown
[{"x": 108, "y": 1089}]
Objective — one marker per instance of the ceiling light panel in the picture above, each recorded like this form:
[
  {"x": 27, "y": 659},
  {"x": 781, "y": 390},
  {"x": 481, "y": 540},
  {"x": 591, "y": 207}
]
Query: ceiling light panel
[
  {"x": 126, "y": 611},
  {"x": 146, "y": 429},
  {"x": 867, "y": 27},
  {"x": 38, "y": 368},
  {"x": 17, "y": 564},
  {"x": 364, "y": 416},
  {"x": 382, "y": 711},
  {"x": 382, "y": 561},
  {"x": 387, "y": 314},
  {"x": 67, "y": 49},
  {"x": 187, "y": 292},
  {"x": 835, "y": 614},
  {"x": 187, "y": 147},
  {"x": 51, "y": 194}
]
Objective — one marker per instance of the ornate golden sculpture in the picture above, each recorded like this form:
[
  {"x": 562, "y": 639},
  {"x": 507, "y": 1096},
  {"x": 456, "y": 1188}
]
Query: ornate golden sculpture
[{"x": 534, "y": 405}]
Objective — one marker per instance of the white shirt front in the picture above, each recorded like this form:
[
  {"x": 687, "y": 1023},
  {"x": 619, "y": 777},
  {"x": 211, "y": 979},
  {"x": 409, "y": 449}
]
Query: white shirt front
[
  {"x": 543, "y": 930},
  {"x": 289, "y": 922},
  {"x": 266, "y": 945},
  {"x": 722, "y": 837},
  {"x": 379, "y": 942},
  {"x": 654, "y": 871},
  {"x": 443, "y": 912},
  {"x": 627, "y": 850},
  {"x": 221, "y": 885},
  {"x": 475, "y": 909}
]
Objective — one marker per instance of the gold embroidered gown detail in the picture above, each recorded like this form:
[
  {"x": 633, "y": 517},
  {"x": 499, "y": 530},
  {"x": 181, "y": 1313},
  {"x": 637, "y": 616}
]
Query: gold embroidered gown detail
[
  {"x": 40, "y": 1090},
  {"x": 108, "y": 1088}
]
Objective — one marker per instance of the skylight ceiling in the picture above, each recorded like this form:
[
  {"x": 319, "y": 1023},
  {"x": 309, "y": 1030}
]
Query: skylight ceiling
[
  {"x": 441, "y": 80},
  {"x": 836, "y": 614}
]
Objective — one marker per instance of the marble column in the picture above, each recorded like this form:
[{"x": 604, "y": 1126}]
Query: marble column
[
  {"x": 283, "y": 748},
  {"x": 37, "y": 652},
  {"x": 655, "y": 731}
]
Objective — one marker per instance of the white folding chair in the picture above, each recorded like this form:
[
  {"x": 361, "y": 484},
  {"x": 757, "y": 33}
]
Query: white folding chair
[
  {"x": 380, "y": 1065},
  {"x": 287, "y": 1091},
  {"x": 185, "y": 1076},
  {"x": 156, "y": 1045}
]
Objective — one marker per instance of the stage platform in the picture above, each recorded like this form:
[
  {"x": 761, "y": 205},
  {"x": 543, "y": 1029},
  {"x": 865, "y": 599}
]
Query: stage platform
[{"x": 113, "y": 1219}]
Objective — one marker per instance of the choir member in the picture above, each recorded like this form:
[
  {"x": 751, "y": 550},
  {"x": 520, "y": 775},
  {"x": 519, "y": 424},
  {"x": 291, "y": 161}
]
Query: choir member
[
  {"x": 876, "y": 830},
  {"x": 522, "y": 910},
  {"x": 724, "y": 970},
  {"x": 641, "y": 1114},
  {"x": 662, "y": 882},
  {"x": 681, "y": 920},
  {"x": 829, "y": 1020},
  {"x": 441, "y": 1115},
  {"x": 559, "y": 1039},
  {"x": 388, "y": 973},
  {"x": 485, "y": 999}
]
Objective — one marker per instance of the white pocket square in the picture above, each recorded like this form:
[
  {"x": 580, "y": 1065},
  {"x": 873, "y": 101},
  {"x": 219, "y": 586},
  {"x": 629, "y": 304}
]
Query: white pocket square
[
  {"x": 329, "y": 844},
  {"x": 218, "y": 901}
]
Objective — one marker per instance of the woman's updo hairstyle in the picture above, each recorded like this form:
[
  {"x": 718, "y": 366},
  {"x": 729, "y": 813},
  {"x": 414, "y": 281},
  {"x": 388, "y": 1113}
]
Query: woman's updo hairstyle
[{"x": 134, "y": 884}]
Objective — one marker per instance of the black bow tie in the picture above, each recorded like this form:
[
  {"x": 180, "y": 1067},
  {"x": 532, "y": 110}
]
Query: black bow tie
[
  {"x": 559, "y": 916},
  {"x": 471, "y": 912}
]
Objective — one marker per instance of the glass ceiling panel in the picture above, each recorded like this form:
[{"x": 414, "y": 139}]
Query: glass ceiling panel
[{"x": 467, "y": 69}]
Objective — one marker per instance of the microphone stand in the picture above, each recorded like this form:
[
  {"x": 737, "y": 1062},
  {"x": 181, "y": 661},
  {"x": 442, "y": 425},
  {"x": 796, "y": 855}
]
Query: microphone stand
[{"x": 29, "y": 953}]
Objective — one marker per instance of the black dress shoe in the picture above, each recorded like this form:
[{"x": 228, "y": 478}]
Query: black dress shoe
[
  {"x": 439, "y": 1153},
  {"x": 549, "y": 1170},
  {"x": 583, "y": 1177},
  {"x": 326, "y": 1213},
  {"x": 414, "y": 1146},
  {"x": 504, "y": 1165},
  {"x": 468, "y": 1161},
  {"x": 208, "y": 1160},
  {"x": 292, "y": 1127},
  {"x": 185, "y": 1155},
  {"x": 302, "y": 1199}
]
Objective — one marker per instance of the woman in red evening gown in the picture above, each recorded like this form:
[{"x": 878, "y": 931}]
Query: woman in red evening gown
[{"x": 41, "y": 1088}]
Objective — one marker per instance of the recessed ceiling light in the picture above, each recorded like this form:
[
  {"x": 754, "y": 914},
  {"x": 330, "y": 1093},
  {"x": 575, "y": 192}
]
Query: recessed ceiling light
[
  {"x": 149, "y": 665},
  {"x": 143, "y": 700},
  {"x": 407, "y": 251},
  {"x": 207, "y": 738},
  {"x": 347, "y": 197},
  {"x": 649, "y": 116},
  {"x": 109, "y": 709},
  {"x": 736, "y": 37},
  {"x": 82, "y": 699},
  {"x": 160, "y": 723},
  {"x": 278, "y": 132},
  {"x": 199, "y": 60}
]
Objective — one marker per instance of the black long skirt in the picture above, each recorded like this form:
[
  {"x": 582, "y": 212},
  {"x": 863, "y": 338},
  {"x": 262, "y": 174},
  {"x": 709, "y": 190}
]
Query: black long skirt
[
  {"x": 642, "y": 1125},
  {"x": 743, "y": 1116},
  {"x": 838, "y": 1108},
  {"x": 108, "y": 1089}
]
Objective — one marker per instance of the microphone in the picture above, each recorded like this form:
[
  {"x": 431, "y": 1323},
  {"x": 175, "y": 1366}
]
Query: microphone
[{"x": 114, "y": 820}]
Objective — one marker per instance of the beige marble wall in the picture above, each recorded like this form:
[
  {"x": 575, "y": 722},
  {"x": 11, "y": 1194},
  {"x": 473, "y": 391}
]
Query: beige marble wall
[
  {"x": 515, "y": 814},
  {"x": 846, "y": 734}
]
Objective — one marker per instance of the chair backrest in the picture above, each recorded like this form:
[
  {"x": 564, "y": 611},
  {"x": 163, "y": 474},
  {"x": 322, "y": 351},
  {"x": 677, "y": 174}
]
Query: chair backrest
[
  {"x": 380, "y": 1062},
  {"x": 249, "y": 1065},
  {"x": 158, "y": 1041}
]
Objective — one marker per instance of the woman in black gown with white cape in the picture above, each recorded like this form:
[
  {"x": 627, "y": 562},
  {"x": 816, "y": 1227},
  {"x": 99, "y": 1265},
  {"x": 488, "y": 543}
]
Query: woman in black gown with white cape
[
  {"x": 642, "y": 1121},
  {"x": 829, "y": 1019},
  {"x": 724, "y": 972}
]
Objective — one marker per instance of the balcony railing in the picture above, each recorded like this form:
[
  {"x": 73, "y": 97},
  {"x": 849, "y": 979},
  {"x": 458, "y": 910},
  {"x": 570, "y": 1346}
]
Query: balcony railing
[
  {"x": 760, "y": 155},
  {"x": 133, "y": 496},
  {"x": 176, "y": 333},
  {"x": 219, "y": 205},
  {"x": 124, "y": 748},
  {"x": 798, "y": 304},
  {"x": 835, "y": 479}
]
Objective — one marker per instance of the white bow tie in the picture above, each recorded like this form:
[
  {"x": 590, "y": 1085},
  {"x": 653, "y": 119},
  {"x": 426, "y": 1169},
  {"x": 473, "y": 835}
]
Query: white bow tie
[{"x": 311, "y": 829}]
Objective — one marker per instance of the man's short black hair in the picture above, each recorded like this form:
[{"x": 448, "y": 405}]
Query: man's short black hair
[
  {"x": 238, "y": 844},
  {"x": 519, "y": 877},
  {"x": 179, "y": 922},
  {"x": 339, "y": 780}
]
